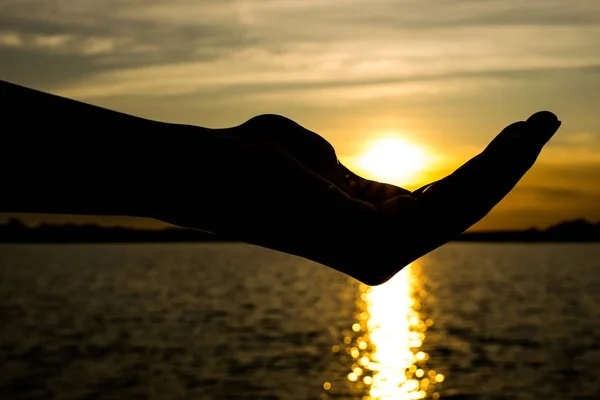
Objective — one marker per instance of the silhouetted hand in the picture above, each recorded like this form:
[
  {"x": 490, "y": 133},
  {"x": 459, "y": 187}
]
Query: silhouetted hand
[
  {"x": 285, "y": 189},
  {"x": 269, "y": 181}
]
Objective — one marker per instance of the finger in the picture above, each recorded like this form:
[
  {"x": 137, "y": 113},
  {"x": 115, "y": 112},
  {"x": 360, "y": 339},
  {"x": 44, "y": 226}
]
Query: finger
[
  {"x": 525, "y": 139},
  {"x": 438, "y": 212},
  {"x": 483, "y": 181},
  {"x": 287, "y": 136},
  {"x": 368, "y": 190}
]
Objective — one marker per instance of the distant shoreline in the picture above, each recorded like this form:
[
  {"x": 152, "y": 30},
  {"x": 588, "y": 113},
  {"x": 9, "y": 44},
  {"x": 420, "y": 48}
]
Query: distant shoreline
[{"x": 578, "y": 231}]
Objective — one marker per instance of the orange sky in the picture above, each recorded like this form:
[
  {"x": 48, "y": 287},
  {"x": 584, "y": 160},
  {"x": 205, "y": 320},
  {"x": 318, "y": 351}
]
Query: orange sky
[{"x": 446, "y": 76}]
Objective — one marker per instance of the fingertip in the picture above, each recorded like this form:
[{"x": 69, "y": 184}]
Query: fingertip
[
  {"x": 543, "y": 117},
  {"x": 543, "y": 125},
  {"x": 545, "y": 121}
]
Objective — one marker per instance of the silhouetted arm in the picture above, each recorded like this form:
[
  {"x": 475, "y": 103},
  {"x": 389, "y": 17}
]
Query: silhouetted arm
[{"x": 63, "y": 156}]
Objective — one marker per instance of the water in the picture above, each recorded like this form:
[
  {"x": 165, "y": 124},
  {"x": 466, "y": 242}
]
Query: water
[{"x": 230, "y": 321}]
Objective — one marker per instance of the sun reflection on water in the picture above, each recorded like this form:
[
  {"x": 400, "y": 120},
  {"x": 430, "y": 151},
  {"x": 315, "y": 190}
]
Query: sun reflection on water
[{"x": 386, "y": 341}]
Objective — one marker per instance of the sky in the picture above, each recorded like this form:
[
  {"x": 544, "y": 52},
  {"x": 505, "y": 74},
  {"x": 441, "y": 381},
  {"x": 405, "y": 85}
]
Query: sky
[{"x": 446, "y": 76}]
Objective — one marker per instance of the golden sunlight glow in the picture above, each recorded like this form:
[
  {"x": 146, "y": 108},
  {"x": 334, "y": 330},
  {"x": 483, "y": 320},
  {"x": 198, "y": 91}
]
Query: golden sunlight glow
[
  {"x": 394, "y": 160},
  {"x": 386, "y": 355}
]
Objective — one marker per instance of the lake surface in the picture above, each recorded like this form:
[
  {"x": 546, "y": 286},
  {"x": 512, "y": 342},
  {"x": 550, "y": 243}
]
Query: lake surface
[{"x": 231, "y": 321}]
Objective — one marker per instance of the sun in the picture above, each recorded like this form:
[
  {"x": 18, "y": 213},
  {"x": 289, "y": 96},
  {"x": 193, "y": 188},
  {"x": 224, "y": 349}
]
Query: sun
[{"x": 394, "y": 160}]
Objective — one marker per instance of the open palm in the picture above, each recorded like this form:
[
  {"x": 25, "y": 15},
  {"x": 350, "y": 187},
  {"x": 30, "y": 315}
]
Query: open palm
[{"x": 367, "y": 229}]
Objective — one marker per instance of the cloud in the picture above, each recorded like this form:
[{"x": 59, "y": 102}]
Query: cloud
[
  {"x": 346, "y": 39},
  {"x": 578, "y": 140},
  {"x": 59, "y": 43},
  {"x": 108, "y": 35},
  {"x": 578, "y": 173},
  {"x": 554, "y": 194},
  {"x": 317, "y": 67},
  {"x": 455, "y": 13},
  {"x": 10, "y": 40}
]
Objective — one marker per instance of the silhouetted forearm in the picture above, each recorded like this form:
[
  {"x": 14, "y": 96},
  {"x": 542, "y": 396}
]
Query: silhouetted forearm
[{"x": 63, "y": 156}]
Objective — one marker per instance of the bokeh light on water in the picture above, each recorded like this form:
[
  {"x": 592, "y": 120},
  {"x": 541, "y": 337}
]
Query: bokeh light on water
[{"x": 385, "y": 343}]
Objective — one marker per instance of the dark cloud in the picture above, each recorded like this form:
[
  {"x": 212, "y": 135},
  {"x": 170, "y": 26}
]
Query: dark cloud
[
  {"x": 157, "y": 32},
  {"x": 133, "y": 42}
]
